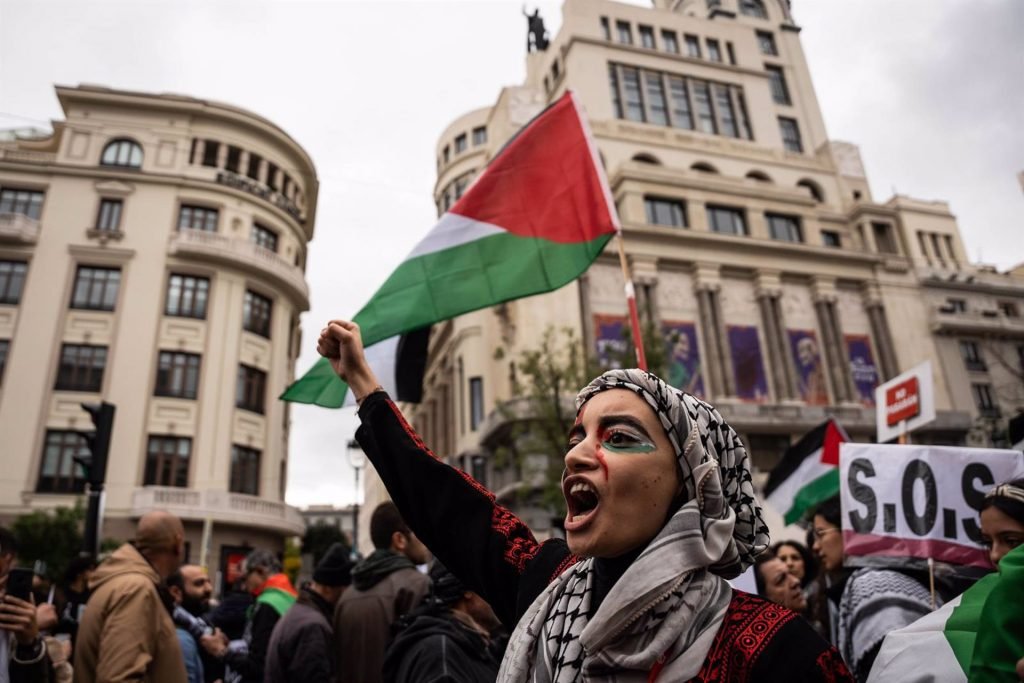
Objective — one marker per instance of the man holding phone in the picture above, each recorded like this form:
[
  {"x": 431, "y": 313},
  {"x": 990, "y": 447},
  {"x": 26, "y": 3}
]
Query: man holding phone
[{"x": 23, "y": 657}]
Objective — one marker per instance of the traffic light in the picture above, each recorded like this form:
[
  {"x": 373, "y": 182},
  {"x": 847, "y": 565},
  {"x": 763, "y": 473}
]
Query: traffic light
[{"x": 98, "y": 441}]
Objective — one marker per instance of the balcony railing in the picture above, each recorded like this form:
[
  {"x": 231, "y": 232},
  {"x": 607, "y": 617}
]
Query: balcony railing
[
  {"x": 18, "y": 228},
  {"x": 222, "y": 507},
  {"x": 240, "y": 253},
  {"x": 993, "y": 321},
  {"x": 28, "y": 156}
]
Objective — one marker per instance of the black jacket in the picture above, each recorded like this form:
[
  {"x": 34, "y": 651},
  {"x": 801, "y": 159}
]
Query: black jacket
[
  {"x": 300, "y": 649},
  {"x": 436, "y": 646}
]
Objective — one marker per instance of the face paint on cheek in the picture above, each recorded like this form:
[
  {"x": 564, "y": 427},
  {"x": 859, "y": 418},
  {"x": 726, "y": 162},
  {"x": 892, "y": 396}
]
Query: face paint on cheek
[
  {"x": 636, "y": 447},
  {"x": 602, "y": 462}
]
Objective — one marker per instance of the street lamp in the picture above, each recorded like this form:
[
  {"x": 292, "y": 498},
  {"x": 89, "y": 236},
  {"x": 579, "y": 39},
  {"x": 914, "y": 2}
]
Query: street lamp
[{"x": 357, "y": 459}]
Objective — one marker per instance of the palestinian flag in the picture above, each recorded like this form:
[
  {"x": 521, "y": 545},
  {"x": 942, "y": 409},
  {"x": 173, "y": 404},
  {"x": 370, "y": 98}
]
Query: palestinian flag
[
  {"x": 808, "y": 473},
  {"x": 533, "y": 221}
]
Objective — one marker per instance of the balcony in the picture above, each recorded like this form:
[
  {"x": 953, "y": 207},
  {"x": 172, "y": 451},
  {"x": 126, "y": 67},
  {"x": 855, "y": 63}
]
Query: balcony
[
  {"x": 27, "y": 156},
  {"x": 242, "y": 254},
  {"x": 222, "y": 507},
  {"x": 16, "y": 228},
  {"x": 947, "y": 320}
]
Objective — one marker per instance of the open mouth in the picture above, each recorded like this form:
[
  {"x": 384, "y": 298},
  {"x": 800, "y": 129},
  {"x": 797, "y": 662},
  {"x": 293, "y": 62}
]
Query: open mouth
[{"x": 582, "y": 501}]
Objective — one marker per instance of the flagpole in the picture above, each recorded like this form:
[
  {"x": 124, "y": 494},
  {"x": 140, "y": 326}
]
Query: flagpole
[{"x": 634, "y": 315}]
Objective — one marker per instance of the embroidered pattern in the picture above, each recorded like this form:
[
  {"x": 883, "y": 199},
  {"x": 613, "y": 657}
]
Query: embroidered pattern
[
  {"x": 832, "y": 667},
  {"x": 749, "y": 625}
]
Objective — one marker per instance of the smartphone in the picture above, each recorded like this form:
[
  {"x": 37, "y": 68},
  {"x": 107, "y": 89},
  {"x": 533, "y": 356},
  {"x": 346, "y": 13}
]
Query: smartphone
[{"x": 19, "y": 583}]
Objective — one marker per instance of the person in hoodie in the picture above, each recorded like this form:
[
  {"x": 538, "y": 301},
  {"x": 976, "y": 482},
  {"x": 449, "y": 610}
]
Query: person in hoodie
[
  {"x": 385, "y": 586},
  {"x": 302, "y": 644},
  {"x": 447, "y": 639},
  {"x": 275, "y": 595},
  {"x": 126, "y": 632}
]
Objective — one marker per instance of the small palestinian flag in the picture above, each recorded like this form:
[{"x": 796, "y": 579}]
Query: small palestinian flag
[{"x": 808, "y": 473}]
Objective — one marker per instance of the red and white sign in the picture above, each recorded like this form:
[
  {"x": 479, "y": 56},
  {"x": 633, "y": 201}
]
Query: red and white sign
[
  {"x": 905, "y": 403},
  {"x": 919, "y": 501}
]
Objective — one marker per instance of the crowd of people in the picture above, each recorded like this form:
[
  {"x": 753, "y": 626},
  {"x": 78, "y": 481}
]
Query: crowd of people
[{"x": 661, "y": 515}]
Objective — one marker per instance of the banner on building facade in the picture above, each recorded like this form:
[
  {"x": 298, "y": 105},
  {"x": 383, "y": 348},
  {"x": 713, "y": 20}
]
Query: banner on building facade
[
  {"x": 748, "y": 368},
  {"x": 919, "y": 501},
  {"x": 682, "y": 364},
  {"x": 611, "y": 339},
  {"x": 803, "y": 345},
  {"x": 862, "y": 367}
]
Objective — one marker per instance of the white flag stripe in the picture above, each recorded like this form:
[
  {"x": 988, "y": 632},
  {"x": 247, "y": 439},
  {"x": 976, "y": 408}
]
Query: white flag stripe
[
  {"x": 809, "y": 470},
  {"x": 919, "y": 652},
  {"x": 382, "y": 358},
  {"x": 451, "y": 231}
]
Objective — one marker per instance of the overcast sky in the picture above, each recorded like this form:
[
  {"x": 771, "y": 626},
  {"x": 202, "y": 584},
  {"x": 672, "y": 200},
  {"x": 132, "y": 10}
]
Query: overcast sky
[{"x": 929, "y": 89}]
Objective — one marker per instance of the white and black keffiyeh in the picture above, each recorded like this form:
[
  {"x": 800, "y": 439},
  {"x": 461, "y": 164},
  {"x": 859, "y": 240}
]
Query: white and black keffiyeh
[{"x": 670, "y": 602}]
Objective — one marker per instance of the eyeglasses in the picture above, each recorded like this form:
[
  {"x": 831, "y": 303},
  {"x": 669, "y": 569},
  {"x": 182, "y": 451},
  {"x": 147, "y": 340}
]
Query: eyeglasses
[{"x": 820, "y": 533}]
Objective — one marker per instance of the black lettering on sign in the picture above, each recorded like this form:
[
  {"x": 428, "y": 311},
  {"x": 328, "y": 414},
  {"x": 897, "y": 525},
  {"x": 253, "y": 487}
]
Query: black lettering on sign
[
  {"x": 974, "y": 496},
  {"x": 889, "y": 518},
  {"x": 948, "y": 523},
  {"x": 863, "y": 494},
  {"x": 920, "y": 524}
]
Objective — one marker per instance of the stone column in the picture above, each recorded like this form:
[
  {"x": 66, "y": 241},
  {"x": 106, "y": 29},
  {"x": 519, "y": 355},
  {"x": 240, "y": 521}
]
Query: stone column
[
  {"x": 787, "y": 355},
  {"x": 831, "y": 350},
  {"x": 769, "y": 292},
  {"x": 883, "y": 340}
]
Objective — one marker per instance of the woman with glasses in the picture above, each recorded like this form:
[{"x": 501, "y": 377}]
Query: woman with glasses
[{"x": 660, "y": 512}]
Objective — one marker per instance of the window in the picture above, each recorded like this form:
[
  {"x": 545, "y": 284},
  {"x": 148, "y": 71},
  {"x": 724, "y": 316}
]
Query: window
[
  {"x": 109, "y": 218},
  {"x": 753, "y": 8},
  {"x": 96, "y": 288},
  {"x": 25, "y": 202},
  {"x": 5, "y": 347},
  {"x": 956, "y": 306},
  {"x": 634, "y": 98},
  {"x": 972, "y": 356},
  {"x": 783, "y": 227},
  {"x": 702, "y": 100},
  {"x": 177, "y": 375},
  {"x": 264, "y": 237},
  {"x": 657, "y": 106},
  {"x": 777, "y": 81},
  {"x": 731, "y": 52},
  {"x": 813, "y": 189},
  {"x": 830, "y": 239},
  {"x": 1009, "y": 309},
  {"x": 445, "y": 154},
  {"x": 256, "y": 314},
  {"x": 670, "y": 41},
  {"x": 479, "y": 136},
  {"x": 714, "y": 51},
  {"x": 167, "y": 461},
  {"x": 126, "y": 153},
  {"x": 271, "y": 176},
  {"x": 726, "y": 113},
  {"x": 192, "y": 151},
  {"x": 790, "y": 134},
  {"x": 692, "y": 46},
  {"x": 254, "y": 166},
  {"x": 476, "y": 402},
  {"x": 606, "y": 29},
  {"x": 984, "y": 400},
  {"x": 884, "y": 239},
  {"x": 682, "y": 115},
  {"x": 234, "y": 158},
  {"x": 81, "y": 367},
  {"x": 197, "y": 218},
  {"x": 766, "y": 41},
  {"x": 646, "y": 36},
  {"x": 625, "y": 32},
  {"x": 245, "y": 470},
  {"x": 613, "y": 82},
  {"x": 58, "y": 472},
  {"x": 726, "y": 220},
  {"x": 937, "y": 250},
  {"x": 671, "y": 212},
  {"x": 210, "y": 153},
  {"x": 12, "y": 281},
  {"x": 187, "y": 296},
  {"x": 250, "y": 388},
  {"x": 460, "y": 143}
]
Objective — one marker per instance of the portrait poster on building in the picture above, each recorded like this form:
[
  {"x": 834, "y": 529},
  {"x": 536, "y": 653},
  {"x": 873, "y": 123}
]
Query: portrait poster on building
[
  {"x": 610, "y": 337},
  {"x": 803, "y": 345},
  {"x": 231, "y": 559},
  {"x": 862, "y": 367},
  {"x": 683, "y": 358},
  {"x": 748, "y": 368}
]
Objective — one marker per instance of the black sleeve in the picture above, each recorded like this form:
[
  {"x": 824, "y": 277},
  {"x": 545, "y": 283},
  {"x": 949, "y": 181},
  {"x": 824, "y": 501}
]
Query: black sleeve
[
  {"x": 251, "y": 664},
  {"x": 30, "y": 663},
  {"x": 433, "y": 660},
  {"x": 798, "y": 654},
  {"x": 481, "y": 542},
  {"x": 313, "y": 657}
]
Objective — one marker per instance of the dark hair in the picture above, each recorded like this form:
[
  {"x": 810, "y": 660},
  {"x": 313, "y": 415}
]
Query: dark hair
[
  {"x": 1009, "y": 506},
  {"x": 8, "y": 543},
  {"x": 77, "y": 566},
  {"x": 831, "y": 511},
  {"x": 384, "y": 522},
  {"x": 176, "y": 580},
  {"x": 762, "y": 559},
  {"x": 810, "y": 564}
]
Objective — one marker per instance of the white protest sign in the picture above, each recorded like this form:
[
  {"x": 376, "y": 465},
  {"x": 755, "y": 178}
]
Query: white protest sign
[
  {"x": 919, "y": 501},
  {"x": 904, "y": 403}
]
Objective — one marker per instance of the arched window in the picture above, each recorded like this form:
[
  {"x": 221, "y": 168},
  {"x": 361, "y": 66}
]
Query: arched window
[
  {"x": 645, "y": 158},
  {"x": 759, "y": 176},
  {"x": 813, "y": 188},
  {"x": 122, "y": 152},
  {"x": 753, "y": 8},
  {"x": 704, "y": 167}
]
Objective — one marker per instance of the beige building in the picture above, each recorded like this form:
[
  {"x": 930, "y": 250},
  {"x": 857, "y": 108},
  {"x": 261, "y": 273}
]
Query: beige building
[
  {"x": 786, "y": 290},
  {"x": 152, "y": 255}
]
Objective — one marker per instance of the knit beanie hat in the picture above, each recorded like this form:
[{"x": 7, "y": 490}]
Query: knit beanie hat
[{"x": 334, "y": 568}]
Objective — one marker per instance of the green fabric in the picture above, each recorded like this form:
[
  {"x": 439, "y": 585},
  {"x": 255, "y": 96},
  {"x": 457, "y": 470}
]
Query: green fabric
[
  {"x": 280, "y": 600},
  {"x": 1000, "y": 641},
  {"x": 817, "y": 491},
  {"x": 446, "y": 283},
  {"x": 961, "y": 627}
]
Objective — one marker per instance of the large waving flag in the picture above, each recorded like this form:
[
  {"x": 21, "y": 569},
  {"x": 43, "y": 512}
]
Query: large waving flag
[
  {"x": 808, "y": 473},
  {"x": 533, "y": 221}
]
